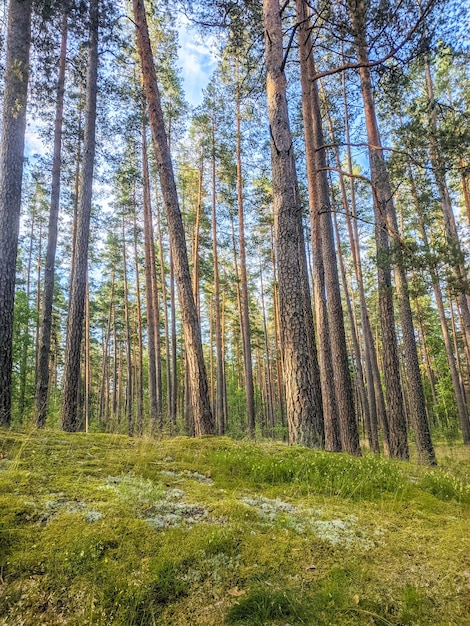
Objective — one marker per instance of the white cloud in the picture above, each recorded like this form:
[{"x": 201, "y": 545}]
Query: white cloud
[{"x": 197, "y": 61}]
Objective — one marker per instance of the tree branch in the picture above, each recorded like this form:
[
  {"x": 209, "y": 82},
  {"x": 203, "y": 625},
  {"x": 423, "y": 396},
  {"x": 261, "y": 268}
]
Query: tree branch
[{"x": 393, "y": 52}]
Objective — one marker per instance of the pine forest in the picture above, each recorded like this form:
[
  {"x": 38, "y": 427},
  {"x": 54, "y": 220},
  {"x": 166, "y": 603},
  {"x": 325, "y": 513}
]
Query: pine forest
[{"x": 281, "y": 260}]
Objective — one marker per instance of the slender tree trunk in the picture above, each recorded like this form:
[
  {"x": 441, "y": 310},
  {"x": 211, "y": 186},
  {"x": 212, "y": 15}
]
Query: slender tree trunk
[
  {"x": 204, "y": 423},
  {"x": 269, "y": 385},
  {"x": 139, "y": 374},
  {"x": 386, "y": 219},
  {"x": 174, "y": 347},
  {"x": 245, "y": 310},
  {"x": 220, "y": 384},
  {"x": 11, "y": 174},
  {"x": 382, "y": 197},
  {"x": 129, "y": 374},
  {"x": 87, "y": 368},
  {"x": 374, "y": 383},
  {"x": 169, "y": 393},
  {"x": 277, "y": 336},
  {"x": 104, "y": 395},
  {"x": 150, "y": 278},
  {"x": 25, "y": 330},
  {"x": 446, "y": 207},
  {"x": 49, "y": 276},
  {"x": 70, "y": 420},
  {"x": 456, "y": 383},
  {"x": 197, "y": 236},
  {"x": 303, "y": 408},
  {"x": 367, "y": 393}
]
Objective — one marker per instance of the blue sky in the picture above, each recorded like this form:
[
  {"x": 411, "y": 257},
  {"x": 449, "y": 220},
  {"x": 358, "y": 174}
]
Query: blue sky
[{"x": 197, "y": 62}]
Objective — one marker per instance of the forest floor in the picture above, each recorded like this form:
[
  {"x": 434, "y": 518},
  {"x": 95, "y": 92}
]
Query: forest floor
[{"x": 102, "y": 529}]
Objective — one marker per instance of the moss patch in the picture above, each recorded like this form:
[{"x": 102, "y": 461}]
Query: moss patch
[{"x": 103, "y": 529}]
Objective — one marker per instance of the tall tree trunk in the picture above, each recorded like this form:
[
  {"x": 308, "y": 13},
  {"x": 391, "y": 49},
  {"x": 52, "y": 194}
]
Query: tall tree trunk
[
  {"x": 277, "y": 336},
  {"x": 303, "y": 408},
  {"x": 446, "y": 207},
  {"x": 166, "y": 322},
  {"x": 105, "y": 373},
  {"x": 374, "y": 383},
  {"x": 386, "y": 221},
  {"x": 220, "y": 384},
  {"x": 197, "y": 236},
  {"x": 454, "y": 375},
  {"x": 70, "y": 419},
  {"x": 49, "y": 276},
  {"x": 87, "y": 360},
  {"x": 373, "y": 407},
  {"x": 129, "y": 398},
  {"x": 391, "y": 363},
  {"x": 245, "y": 310},
  {"x": 150, "y": 279},
  {"x": 318, "y": 180},
  {"x": 269, "y": 384},
  {"x": 25, "y": 329},
  {"x": 11, "y": 174},
  {"x": 204, "y": 423},
  {"x": 139, "y": 374}
]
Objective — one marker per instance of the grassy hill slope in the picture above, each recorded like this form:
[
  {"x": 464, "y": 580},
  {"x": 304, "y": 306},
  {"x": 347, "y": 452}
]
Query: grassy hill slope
[{"x": 103, "y": 529}]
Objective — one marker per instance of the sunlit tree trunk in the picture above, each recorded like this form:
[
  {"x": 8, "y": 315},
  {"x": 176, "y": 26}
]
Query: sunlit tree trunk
[
  {"x": 203, "y": 420},
  {"x": 319, "y": 197},
  {"x": 303, "y": 408}
]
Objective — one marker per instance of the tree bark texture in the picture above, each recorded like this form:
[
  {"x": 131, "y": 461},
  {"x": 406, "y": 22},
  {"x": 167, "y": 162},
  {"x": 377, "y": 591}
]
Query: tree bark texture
[
  {"x": 391, "y": 365},
  {"x": 204, "y": 423},
  {"x": 384, "y": 205},
  {"x": 318, "y": 180},
  {"x": 49, "y": 270},
  {"x": 303, "y": 409},
  {"x": 11, "y": 174},
  {"x": 70, "y": 412},
  {"x": 245, "y": 309}
]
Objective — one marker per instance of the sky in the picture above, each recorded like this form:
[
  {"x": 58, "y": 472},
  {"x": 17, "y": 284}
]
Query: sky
[{"x": 197, "y": 62}]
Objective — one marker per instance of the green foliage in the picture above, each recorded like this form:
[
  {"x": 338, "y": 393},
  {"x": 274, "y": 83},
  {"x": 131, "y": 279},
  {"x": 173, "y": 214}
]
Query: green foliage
[
  {"x": 313, "y": 472},
  {"x": 445, "y": 486}
]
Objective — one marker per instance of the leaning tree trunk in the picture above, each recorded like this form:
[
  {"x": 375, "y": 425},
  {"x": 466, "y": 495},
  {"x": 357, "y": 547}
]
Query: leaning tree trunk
[
  {"x": 70, "y": 413},
  {"x": 203, "y": 420},
  {"x": 303, "y": 407},
  {"x": 386, "y": 221},
  {"x": 48, "y": 295},
  {"x": 11, "y": 174}
]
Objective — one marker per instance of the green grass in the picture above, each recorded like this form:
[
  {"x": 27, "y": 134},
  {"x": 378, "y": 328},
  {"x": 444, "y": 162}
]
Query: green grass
[{"x": 105, "y": 530}]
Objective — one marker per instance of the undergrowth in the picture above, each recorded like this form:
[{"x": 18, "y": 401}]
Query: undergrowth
[{"x": 102, "y": 529}]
